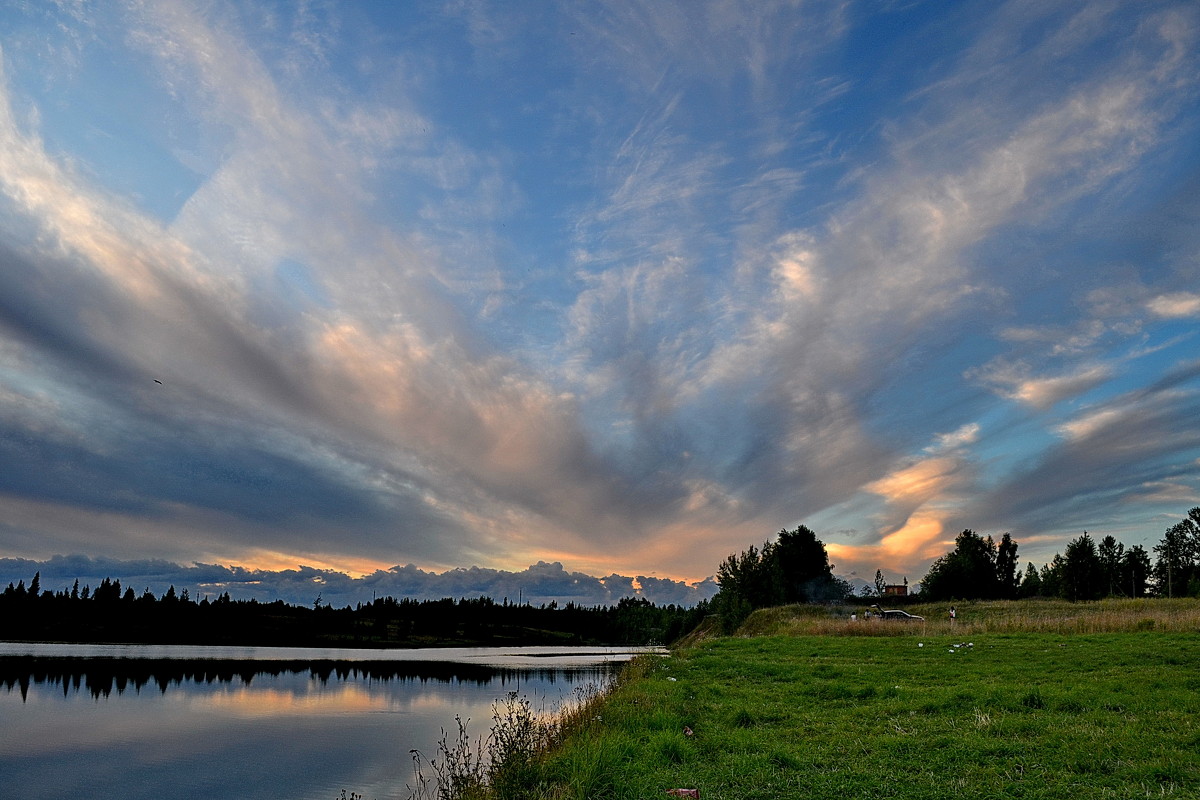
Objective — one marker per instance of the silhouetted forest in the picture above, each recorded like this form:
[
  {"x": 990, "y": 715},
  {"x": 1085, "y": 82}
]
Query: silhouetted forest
[
  {"x": 110, "y": 613},
  {"x": 792, "y": 568},
  {"x": 979, "y": 568}
]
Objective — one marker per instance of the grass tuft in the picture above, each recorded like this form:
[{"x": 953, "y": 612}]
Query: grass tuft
[{"x": 743, "y": 719}]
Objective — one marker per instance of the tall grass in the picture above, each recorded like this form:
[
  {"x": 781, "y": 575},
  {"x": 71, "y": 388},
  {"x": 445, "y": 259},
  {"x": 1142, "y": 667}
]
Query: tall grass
[{"x": 1179, "y": 615}]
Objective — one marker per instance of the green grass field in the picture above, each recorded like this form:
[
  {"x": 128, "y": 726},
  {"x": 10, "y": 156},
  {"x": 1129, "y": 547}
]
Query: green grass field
[
  {"x": 1036, "y": 699},
  {"x": 1029, "y": 699},
  {"x": 1013, "y": 716}
]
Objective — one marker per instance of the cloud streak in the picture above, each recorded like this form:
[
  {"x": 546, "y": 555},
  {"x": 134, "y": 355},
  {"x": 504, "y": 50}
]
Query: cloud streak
[{"x": 626, "y": 289}]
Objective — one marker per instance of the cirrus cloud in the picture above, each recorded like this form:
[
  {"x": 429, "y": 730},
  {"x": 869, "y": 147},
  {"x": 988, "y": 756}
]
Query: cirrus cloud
[{"x": 625, "y": 289}]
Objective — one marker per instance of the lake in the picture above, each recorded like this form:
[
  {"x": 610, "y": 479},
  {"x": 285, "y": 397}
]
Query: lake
[{"x": 158, "y": 722}]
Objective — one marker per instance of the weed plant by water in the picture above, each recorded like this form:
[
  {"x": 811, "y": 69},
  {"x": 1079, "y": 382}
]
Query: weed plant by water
[{"x": 507, "y": 764}]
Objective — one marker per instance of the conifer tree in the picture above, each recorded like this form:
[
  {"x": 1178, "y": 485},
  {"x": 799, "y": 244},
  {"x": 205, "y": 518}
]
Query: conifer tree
[{"x": 1031, "y": 585}]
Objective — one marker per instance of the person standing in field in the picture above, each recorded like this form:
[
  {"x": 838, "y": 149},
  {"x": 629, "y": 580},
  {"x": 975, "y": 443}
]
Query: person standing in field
[{"x": 953, "y": 615}]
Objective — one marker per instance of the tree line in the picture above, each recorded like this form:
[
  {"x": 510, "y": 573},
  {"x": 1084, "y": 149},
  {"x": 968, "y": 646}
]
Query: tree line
[
  {"x": 979, "y": 568},
  {"x": 795, "y": 568},
  {"x": 792, "y": 568},
  {"x": 111, "y": 613}
]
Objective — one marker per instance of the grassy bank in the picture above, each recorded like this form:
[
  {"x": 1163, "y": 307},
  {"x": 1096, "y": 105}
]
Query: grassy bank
[{"x": 978, "y": 711}]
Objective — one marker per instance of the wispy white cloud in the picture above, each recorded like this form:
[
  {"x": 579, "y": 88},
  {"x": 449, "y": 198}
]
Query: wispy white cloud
[
  {"x": 966, "y": 435},
  {"x": 1176, "y": 305},
  {"x": 1015, "y": 381}
]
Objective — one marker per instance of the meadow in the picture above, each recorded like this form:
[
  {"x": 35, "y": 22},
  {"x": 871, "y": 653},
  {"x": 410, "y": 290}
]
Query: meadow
[
  {"x": 1016, "y": 700},
  {"x": 1113, "y": 615}
]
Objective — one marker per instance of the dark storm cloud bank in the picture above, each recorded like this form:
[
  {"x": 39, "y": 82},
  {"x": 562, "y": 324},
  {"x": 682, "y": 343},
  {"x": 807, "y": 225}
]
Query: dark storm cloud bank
[
  {"x": 537, "y": 584},
  {"x": 42, "y": 303},
  {"x": 155, "y": 472},
  {"x": 140, "y": 475}
]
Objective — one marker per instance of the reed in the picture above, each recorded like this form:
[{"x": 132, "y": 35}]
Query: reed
[{"x": 508, "y": 763}]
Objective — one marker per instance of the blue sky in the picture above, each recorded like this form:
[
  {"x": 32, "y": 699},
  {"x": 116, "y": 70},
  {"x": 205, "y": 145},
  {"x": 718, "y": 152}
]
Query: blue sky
[{"x": 624, "y": 287}]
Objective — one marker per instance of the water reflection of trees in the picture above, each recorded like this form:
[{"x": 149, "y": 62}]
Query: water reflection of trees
[{"x": 101, "y": 676}]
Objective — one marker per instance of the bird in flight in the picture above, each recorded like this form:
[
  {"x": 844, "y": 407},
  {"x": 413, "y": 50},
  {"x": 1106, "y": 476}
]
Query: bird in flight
[{"x": 156, "y": 380}]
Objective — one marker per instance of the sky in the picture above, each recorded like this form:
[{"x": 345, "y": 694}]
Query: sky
[{"x": 593, "y": 289}]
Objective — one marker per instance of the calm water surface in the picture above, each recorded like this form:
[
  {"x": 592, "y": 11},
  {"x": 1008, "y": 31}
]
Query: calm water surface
[{"x": 204, "y": 722}]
